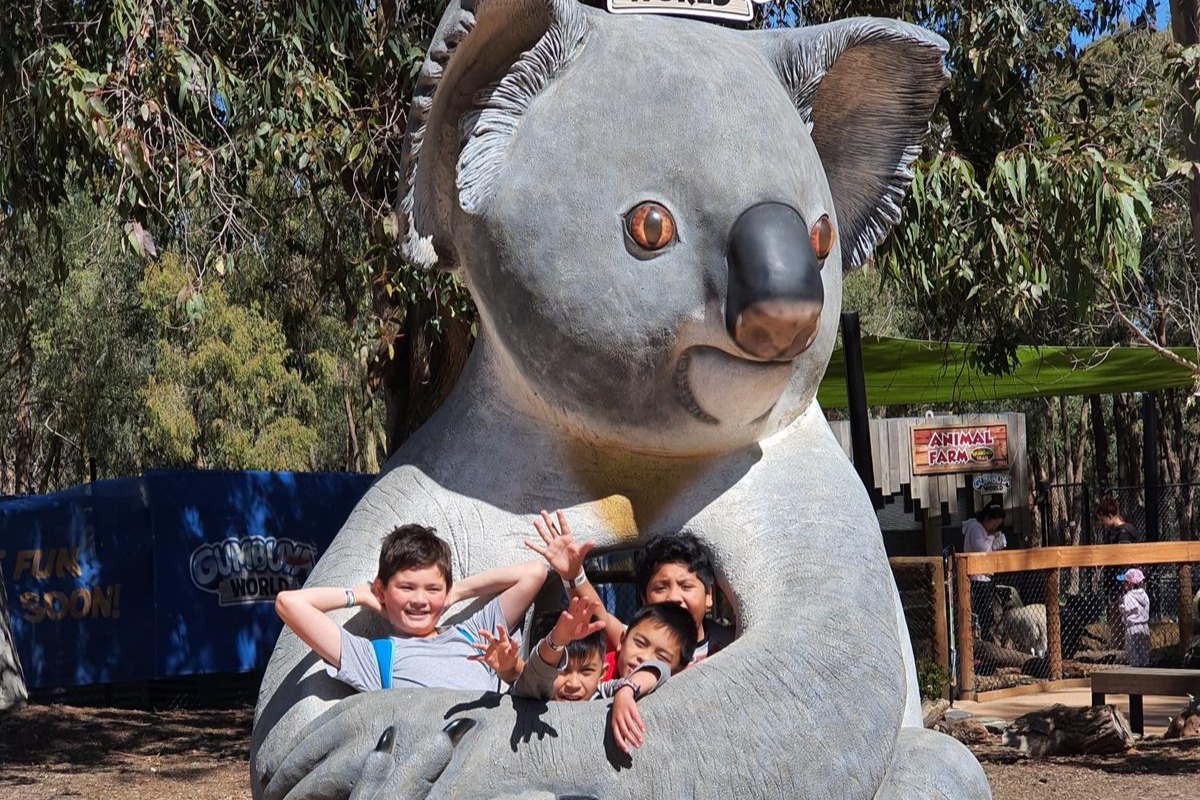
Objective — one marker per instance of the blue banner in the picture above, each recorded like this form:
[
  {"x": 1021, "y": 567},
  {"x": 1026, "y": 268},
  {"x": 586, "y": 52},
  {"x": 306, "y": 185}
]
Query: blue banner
[
  {"x": 78, "y": 569},
  {"x": 174, "y": 573}
]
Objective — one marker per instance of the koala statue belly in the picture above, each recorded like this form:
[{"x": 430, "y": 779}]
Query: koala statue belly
[{"x": 653, "y": 216}]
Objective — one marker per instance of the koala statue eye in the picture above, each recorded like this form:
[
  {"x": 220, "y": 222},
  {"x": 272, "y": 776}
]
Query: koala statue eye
[
  {"x": 650, "y": 226},
  {"x": 821, "y": 237}
]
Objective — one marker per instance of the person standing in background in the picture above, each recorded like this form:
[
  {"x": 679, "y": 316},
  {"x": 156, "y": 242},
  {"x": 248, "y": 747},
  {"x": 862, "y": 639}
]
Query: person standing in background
[
  {"x": 982, "y": 535},
  {"x": 1135, "y": 612},
  {"x": 1114, "y": 528}
]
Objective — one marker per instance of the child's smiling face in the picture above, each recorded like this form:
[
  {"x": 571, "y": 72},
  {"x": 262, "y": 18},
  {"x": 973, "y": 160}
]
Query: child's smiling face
[
  {"x": 413, "y": 599},
  {"x": 580, "y": 679},
  {"x": 648, "y": 640}
]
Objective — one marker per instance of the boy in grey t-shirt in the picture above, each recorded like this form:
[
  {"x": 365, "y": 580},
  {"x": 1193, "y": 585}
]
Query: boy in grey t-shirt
[{"x": 412, "y": 588}]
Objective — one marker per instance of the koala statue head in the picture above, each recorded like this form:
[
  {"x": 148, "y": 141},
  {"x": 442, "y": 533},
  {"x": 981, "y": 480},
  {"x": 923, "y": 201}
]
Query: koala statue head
[{"x": 654, "y": 215}]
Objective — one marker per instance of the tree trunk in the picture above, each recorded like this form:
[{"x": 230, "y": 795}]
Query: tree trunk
[
  {"x": 1065, "y": 731},
  {"x": 1100, "y": 439},
  {"x": 1076, "y": 459},
  {"x": 1127, "y": 427},
  {"x": 22, "y": 463},
  {"x": 12, "y": 680},
  {"x": 1185, "y": 26},
  {"x": 425, "y": 369}
]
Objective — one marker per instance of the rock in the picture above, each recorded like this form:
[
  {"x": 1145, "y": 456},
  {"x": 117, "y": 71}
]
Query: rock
[
  {"x": 968, "y": 731},
  {"x": 932, "y": 711},
  {"x": 1065, "y": 731},
  {"x": 1187, "y": 724},
  {"x": 994, "y": 725}
]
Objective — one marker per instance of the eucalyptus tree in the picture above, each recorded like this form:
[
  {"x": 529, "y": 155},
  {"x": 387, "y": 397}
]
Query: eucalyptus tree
[{"x": 165, "y": 111}]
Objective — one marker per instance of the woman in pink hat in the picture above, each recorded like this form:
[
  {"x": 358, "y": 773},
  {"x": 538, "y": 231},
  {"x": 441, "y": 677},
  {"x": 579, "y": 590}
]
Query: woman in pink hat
[{"x": 1135, "y": 610}]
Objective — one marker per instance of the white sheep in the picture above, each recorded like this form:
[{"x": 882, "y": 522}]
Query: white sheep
[{"x": 1021, "y": 627}]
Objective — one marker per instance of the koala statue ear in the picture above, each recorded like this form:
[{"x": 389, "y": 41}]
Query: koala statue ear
[
  {"x": 486, "y": 62},
  {"x": 866, "y": 87}
]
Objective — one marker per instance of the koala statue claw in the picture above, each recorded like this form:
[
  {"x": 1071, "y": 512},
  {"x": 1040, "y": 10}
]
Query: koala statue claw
[{"x": 654, "y": 216}]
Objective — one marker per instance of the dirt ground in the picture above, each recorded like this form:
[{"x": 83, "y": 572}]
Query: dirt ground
[{"x": 51, "y": 751}]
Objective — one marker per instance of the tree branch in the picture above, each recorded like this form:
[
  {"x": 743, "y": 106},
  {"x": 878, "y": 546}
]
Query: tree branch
[{"x": 1141, "y": 336}]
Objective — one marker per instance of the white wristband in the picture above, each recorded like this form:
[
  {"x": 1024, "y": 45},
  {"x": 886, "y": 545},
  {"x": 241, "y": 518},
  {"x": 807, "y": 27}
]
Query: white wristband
[
  {"x": 349, "y": 598},
  {"x": 577, "y": 581}
]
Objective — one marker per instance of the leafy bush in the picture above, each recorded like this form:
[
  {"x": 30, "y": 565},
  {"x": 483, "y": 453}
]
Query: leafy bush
[{"x": 932, "y": 679}]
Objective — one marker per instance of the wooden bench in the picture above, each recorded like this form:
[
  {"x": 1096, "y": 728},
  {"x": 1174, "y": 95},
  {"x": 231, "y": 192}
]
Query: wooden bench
[{"x": 1137, "y": 681}]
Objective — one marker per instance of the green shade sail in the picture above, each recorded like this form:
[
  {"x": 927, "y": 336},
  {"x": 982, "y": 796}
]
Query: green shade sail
[{"x": 913, "y": 372}]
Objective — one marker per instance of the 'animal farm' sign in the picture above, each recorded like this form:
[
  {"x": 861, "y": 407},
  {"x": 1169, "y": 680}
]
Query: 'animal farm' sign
[{"x": 959, "y": 448}]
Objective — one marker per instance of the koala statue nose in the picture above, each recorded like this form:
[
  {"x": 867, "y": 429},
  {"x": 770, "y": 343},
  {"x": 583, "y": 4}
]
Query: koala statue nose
[{"x": 775, "y": 294}]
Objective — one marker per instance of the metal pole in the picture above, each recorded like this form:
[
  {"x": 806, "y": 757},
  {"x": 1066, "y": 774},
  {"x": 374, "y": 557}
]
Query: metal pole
[
  {"x": 1150, "y": 465},
  {"x": 856, "y": 392}
]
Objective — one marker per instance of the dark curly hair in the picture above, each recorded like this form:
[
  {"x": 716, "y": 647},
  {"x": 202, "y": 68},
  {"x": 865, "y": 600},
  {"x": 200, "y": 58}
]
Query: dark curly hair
[{"x": 674, "y": 548}]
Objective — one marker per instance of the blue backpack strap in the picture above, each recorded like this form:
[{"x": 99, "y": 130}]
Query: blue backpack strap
[{"x": 383, "y": 657}]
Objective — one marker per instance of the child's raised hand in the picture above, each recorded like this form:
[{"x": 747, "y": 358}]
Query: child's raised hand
[
  {"x": 560, "y": 550},
  {"x": 499, "y": 652},
  {"x": 575, "y": 622},
  {"x": 627, "y": 726}
]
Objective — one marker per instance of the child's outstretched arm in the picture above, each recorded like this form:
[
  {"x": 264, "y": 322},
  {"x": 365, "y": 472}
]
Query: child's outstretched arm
[
  {"x": 304, "y": 611},
  {"x": 518, "y": 597},
  {"x": 629, "y": 732},
  {"x": 517, "y": 585},
  {"x": 575, "y": 622},
  {"x": 566, "y": 558}
]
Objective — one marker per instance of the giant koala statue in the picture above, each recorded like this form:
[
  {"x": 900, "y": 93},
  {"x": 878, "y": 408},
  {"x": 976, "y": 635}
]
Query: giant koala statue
[{"x": 654, "y": 216}]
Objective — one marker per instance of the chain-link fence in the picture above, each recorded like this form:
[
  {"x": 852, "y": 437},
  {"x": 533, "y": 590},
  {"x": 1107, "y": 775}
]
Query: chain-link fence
[
  {"x": 1063, "y": 618},
  {"x": 1067, "y": 512},
  {"x": 922, "y": 586}
]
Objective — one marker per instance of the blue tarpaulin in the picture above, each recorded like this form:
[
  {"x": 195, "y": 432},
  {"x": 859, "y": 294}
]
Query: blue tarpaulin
[{"x": 173, "y": 573}]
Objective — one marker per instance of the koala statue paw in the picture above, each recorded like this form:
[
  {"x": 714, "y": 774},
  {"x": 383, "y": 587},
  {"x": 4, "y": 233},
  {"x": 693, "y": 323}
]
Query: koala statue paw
[{"x": 336, "y": 757}]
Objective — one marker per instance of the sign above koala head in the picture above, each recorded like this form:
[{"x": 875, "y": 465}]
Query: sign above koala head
[
  {"x": 653, "y": 213},
  {"x": 736, "y": 10}
]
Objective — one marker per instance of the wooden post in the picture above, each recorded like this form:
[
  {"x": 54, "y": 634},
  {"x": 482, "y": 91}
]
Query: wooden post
[
  {"x": 1186, "y": 622},
  {"x": 1053, "y": 624},
  {"x": 963, "y": 634},
  {"x": 941, "y": 633}
]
